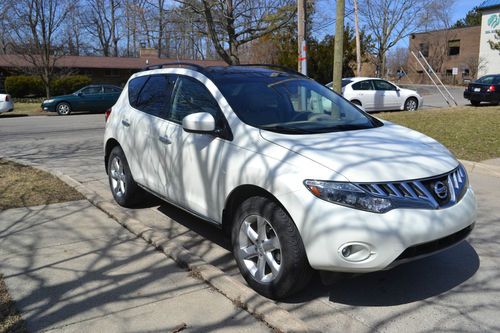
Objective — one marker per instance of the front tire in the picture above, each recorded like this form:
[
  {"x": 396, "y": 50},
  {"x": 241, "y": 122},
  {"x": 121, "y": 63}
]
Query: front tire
[
  {"x": 268, "y": 249},
  {"x": 411, "y": 104},
  {"x": 63, "y": 109},
  {"x": 475, "y": 103},
  {"x": 123, "y": 187}
]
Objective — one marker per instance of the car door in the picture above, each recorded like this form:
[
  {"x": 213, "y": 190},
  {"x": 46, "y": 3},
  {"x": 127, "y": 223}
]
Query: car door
[
  {"x": 387, "y": 96},
  {"x": 365, "y": 93},
  {"x": 193, "y": 158},
  {"x": 89, "y": 98},
  {"x": 109, "y": 97},
  {"x": 150, "y": 123}
]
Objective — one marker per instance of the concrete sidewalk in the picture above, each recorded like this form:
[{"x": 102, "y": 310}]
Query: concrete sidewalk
[{"x": 69, "y": 267}]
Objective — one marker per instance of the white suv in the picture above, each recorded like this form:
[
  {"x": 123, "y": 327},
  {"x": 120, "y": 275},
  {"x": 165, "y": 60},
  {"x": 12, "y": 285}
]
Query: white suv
[{"x": 301, "y": 177}]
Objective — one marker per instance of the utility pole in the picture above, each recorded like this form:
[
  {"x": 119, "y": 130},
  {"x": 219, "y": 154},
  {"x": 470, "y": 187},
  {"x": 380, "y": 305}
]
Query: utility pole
[
  {"x": 358, "y": 41},
  {"x": 302, "y": 45},
  {"x": 338, "y": 54}
]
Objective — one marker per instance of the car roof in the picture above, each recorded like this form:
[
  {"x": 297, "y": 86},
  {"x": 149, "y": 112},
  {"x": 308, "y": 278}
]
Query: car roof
[
  {"x": 236, "y": 71},
  {"x": 361, "y": 78}
]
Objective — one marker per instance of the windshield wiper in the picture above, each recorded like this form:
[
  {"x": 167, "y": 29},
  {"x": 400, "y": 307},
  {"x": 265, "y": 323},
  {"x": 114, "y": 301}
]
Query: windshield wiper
[{"x": 285, "y": 129}]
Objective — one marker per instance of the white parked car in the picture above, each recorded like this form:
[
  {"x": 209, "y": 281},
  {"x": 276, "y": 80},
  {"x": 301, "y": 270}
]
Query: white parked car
[
  {"x": 300, "y": 177},
  {"x": 375, "y": 94},
  {"x": 6, "y": 104}
]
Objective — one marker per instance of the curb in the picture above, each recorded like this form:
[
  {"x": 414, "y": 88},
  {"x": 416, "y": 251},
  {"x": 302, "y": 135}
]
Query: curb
[
  {"x": 482, "y": 167},
  {"x": 241, "y": 295}
]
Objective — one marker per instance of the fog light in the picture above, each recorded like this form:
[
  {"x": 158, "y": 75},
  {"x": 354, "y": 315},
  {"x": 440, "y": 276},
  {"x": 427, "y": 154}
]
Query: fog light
[{"x": 355, "y": 252}]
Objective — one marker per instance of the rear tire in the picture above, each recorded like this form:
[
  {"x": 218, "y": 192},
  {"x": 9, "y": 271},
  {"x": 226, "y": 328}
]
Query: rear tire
[
  {"x": 268, "y": 249},
  {"x": 63, "y": 109},
  {"x": 411, "y": 104},
  {"x": 123, "y": 187},
  {"x": 475, "y": 103}
]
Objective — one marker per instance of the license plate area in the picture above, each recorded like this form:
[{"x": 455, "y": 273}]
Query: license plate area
[{"x": 477, "y": 89}]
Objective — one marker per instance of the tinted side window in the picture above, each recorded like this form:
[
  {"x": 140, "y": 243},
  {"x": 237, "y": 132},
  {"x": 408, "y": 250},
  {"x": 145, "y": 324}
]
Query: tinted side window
[
  {"x": 134, "y": 88},
  {"x": 154, "y": 97},
  {"x": 363, "y": 85},
  {"x": 92, "y": 90},
  {"x": 383, "y": 85},
  {"x": 191, "y": 97}
]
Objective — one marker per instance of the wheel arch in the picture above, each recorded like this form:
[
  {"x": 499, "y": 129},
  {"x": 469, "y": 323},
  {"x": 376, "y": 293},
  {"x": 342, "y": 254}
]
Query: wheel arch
[
  {"x": 356, "y": 101},
  {"x": 237, "y": 196},
  {"x": 110, "y": 144}
]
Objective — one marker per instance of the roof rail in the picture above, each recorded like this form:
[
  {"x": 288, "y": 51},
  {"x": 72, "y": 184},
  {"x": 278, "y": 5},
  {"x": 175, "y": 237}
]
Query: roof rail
[
  {"x": 175, "y": 64},
  {"x": 283, "y": 68}
]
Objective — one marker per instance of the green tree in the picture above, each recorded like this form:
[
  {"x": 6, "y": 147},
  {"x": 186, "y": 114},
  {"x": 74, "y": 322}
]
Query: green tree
[{"x": 472, "y": 18}]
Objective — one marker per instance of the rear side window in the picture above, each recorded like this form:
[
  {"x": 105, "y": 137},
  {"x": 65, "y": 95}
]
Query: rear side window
[
  {"x": 363, "y": 85},
  {"x": 134, "y": 88},
  {"x": 191, "y": 97},
  {"x": 154, "y": 97},
  {"x": 108, "y": 90}
]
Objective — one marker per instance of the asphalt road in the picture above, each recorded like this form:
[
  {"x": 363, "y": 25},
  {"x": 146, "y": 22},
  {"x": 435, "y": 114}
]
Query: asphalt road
[{"x": 455, "y": 290}]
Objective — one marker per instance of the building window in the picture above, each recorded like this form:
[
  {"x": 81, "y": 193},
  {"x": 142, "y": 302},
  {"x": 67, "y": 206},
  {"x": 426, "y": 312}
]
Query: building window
[
  {"x": 454, "y": 47},
  {"x": 449, "y": 72},
  {"x": 424, "y": 48},
  {"x": 465, "y": 72}
]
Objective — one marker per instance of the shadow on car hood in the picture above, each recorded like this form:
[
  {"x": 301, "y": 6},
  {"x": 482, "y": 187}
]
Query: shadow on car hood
[{"x": 386, "y": 153}]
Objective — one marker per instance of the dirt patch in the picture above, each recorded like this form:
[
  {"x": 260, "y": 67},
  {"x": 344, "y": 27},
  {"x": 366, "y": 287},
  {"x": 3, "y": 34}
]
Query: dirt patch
[
  {"x": 24, "y": 186},
  {"x": 10, "y": 320}
]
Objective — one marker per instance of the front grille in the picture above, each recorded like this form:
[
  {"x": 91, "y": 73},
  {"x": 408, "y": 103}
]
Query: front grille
[
  {"x": 439, "y": 192},
  {"x": 434, "y": 246}
]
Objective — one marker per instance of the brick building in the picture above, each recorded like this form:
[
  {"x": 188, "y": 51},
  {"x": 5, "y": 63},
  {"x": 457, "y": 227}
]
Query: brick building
[{"x": 446, "y": 50}]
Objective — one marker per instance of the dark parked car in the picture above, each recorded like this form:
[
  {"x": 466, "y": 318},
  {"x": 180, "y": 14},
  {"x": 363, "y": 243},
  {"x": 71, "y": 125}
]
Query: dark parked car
[
  {"x": 94, "y": 98},
  {"x": 485, "y": 89}
]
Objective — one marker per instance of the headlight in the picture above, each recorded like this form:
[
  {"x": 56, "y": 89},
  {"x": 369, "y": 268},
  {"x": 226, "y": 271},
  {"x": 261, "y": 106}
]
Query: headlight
[
  {"x": 347, "y": 194},
  {"x": 48, "y": 101}
]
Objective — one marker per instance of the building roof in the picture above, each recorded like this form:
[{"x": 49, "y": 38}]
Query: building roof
[
  {"x": 12, "y": 60},
  {"x": 489, "y": 4}
]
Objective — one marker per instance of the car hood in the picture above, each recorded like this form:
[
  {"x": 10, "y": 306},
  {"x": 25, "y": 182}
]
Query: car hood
[
  {"x": 386, "y": 153},
  {"x": 409, "y": 91}
]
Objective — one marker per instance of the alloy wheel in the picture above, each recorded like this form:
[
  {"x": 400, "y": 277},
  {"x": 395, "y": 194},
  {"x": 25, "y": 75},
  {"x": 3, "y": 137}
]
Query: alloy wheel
[
  {"x": 259, "y": 248},
  {"x": 117, "y": 177}
]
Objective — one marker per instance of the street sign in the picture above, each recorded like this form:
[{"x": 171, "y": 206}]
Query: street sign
[{"x": 455, "y": 71}]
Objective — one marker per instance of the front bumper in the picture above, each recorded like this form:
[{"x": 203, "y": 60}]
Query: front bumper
[
  {"x": 49, "y": 107},
  {"x": 326, "y": 229}
]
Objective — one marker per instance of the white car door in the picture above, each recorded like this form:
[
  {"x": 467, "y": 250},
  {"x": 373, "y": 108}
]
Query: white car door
[
  {"x": 154, "y": 106},
  {"x": 193, "y": 158},
  {"x": 365, "y": 93},
  {"x": 387, "y": 96}
]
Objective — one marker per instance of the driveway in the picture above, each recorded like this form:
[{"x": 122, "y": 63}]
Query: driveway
[{"x": 458, "y": 289}]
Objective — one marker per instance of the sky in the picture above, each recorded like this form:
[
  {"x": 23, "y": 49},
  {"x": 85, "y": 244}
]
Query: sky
[{"x": 326, "y": 25}]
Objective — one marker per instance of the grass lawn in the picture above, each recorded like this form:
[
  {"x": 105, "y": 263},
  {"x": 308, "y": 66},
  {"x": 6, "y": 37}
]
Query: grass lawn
[
  {"x": 24, "y": 109},
  {"x": 23, "y": 186},
  {"x": 471, "y": 133}
]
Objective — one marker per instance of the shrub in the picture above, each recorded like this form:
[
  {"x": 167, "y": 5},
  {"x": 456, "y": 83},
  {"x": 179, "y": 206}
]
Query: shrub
[
  {"x": 24, "y": 85},
  {"x": 68, "y": 84}
]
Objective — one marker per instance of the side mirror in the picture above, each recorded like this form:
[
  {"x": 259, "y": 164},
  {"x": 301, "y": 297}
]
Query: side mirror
[
  {"x": 201, "y": 122},
  {"x": 79, "y": 94}
]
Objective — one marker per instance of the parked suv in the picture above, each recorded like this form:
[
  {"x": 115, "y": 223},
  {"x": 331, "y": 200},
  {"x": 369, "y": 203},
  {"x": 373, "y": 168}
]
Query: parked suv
[{"x": 301, "y": 178}]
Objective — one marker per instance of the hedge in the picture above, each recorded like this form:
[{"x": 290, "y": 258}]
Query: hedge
[
  {"x": 31, "y": 86},
  {"x": 23, "y": 85}
]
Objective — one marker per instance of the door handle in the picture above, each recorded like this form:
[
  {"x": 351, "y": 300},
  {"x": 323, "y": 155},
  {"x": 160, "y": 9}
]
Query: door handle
[
  {"x": 164, "y": 140},
  {"x": 125, "y": 123}
]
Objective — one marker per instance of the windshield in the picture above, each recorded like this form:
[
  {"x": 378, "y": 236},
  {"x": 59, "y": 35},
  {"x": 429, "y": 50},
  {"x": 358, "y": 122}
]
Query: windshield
[{"x": 292, "y": 105}]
